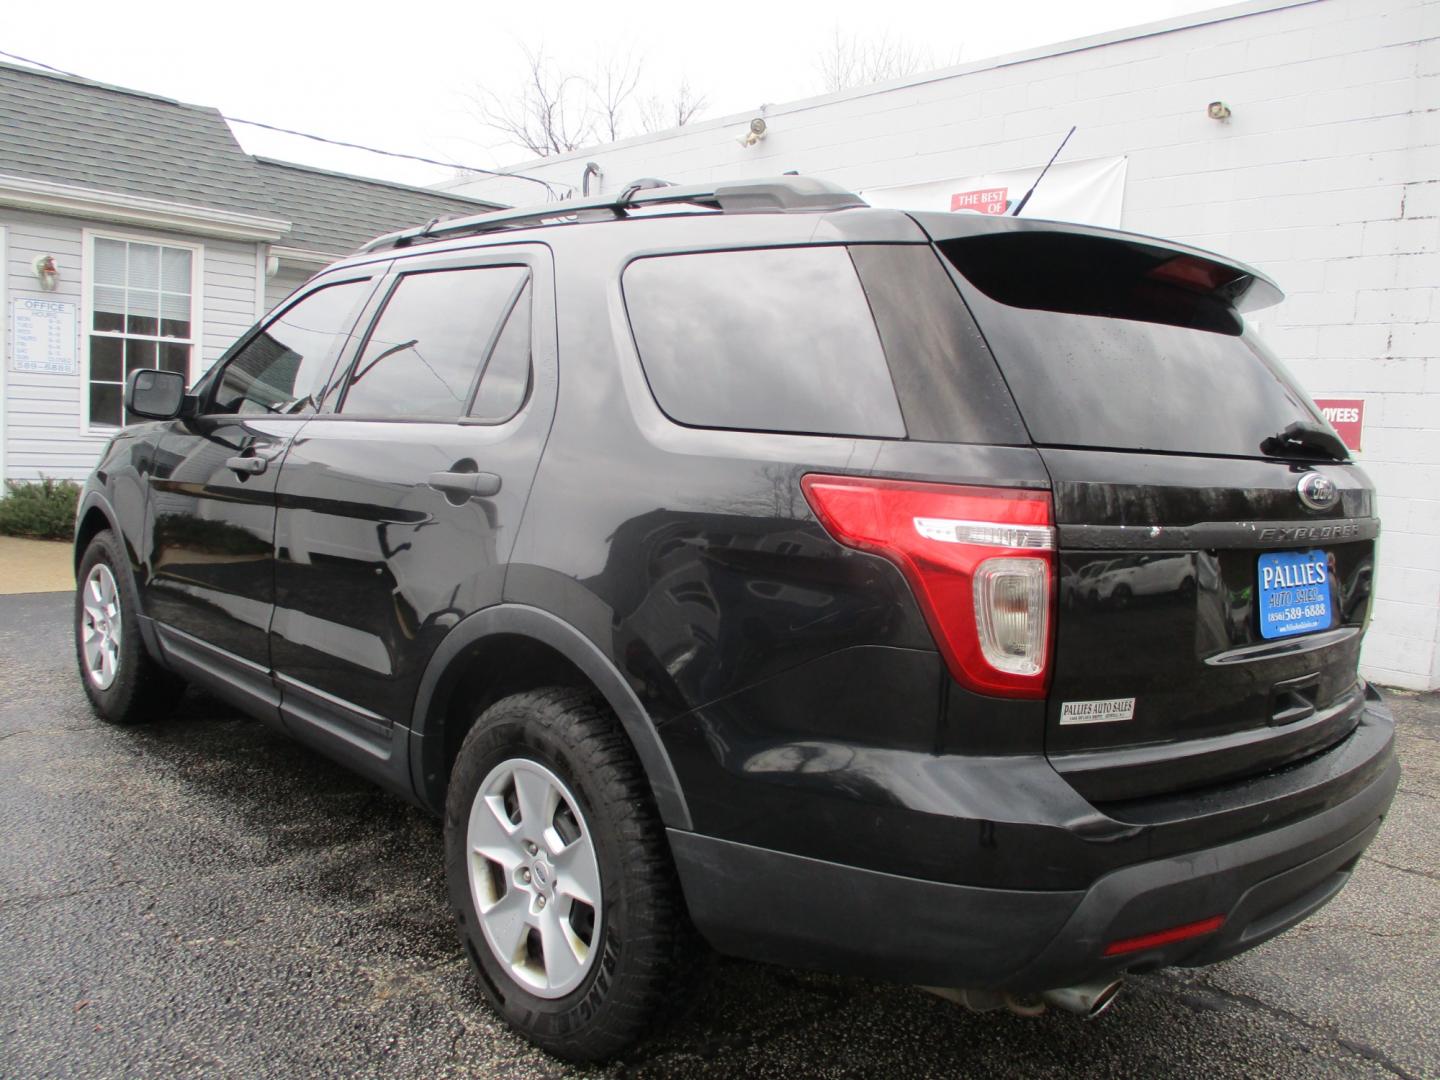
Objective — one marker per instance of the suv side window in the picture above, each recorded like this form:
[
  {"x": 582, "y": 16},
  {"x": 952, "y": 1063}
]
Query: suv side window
[
  {"x": 284, "y": 368},
  {"x": 774, "y": 339},
  {"x": 505, "y": 382},
  {"x": 427, "y": 350}
]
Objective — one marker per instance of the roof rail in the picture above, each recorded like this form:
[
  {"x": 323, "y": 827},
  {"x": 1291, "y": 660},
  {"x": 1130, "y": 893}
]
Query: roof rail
[{"x": 780, "y": 193}]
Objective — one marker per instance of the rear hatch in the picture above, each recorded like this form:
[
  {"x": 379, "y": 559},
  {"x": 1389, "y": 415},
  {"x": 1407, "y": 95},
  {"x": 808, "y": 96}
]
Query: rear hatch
[{"x": 1209, "y": 617}]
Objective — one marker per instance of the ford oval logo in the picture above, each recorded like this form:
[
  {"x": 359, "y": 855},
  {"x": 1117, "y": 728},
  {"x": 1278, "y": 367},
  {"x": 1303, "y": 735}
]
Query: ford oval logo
[{"x": 1317, "y": 492}]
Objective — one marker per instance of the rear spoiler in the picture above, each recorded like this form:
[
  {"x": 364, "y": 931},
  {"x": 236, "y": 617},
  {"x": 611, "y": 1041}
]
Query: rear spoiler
[{"x": 1235, "y": 284}]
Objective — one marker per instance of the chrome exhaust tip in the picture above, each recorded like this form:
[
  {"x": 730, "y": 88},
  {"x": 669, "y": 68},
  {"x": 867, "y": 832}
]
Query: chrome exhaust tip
[{"x": 1085, "y": 999}]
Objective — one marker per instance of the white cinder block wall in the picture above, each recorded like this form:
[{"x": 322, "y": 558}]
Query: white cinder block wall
[{"x": 1327, "y": 175}]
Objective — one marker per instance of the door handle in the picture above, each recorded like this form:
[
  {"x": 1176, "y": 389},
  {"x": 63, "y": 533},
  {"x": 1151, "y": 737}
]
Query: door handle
[
  {"x": 243, "y": 466},
  {"x": 466, "y": 485}
]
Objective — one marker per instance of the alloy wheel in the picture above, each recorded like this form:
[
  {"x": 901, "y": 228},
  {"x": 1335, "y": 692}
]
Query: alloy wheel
[
  {"x": 100, "y": 626},
  {"x": 534, "y": 877}
]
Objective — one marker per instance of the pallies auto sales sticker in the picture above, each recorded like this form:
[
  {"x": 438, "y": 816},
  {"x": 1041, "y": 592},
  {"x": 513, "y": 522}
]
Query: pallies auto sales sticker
[{"x": 1097, "y": 712}]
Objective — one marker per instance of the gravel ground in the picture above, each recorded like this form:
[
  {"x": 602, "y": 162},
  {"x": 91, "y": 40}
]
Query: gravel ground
[{"x": 203, "y": 897}]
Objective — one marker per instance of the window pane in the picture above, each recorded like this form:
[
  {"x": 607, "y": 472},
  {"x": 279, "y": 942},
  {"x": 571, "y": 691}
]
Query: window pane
[
  {"x": 175, "y": 358},
  {"x": 109, "y": 322},
  {"x": 142, "y": 312},
  {"x": 109, "y": 298},
  {"x": 175, "y": 272},
  {"x": 109, "y": 263},
  {"x": 175, "y": 306},
  {"x": 139, "y": 354},
  {"x": 507, "y": 374},
  {"x": 284, "y": 368},
  {"x": 105, "y": 359},
  {"x": 766, "y": 340},
  {"x": 105, "y": 401},
  {"x": 144, "y": 267},
  {"x": 178, "y": 328},
  {"x": 426, "y": 349}
]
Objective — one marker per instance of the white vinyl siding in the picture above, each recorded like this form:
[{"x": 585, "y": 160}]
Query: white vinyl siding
[
  {"x": 282, "y": 285},
  {"x": 44, "y": 414}
]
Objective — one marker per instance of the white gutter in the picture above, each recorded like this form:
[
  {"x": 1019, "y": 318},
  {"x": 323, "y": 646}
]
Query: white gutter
[{"x": 115, "y": 206}]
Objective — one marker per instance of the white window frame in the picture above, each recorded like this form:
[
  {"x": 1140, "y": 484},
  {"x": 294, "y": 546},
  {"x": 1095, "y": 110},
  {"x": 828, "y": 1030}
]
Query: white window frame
[{"x": 87, "y": 310}]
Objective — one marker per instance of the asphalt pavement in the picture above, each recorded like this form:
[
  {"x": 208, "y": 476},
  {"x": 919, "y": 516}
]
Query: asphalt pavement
[{"x": 203, "y": 897}]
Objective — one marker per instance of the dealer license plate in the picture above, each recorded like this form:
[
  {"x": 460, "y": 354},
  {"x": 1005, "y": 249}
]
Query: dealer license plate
[{"x": 1294, "y": 590}]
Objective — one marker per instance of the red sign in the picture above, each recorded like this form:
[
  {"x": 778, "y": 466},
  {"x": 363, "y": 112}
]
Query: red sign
[
  {"x": 983, "y": 201},
  {"x": 1346, "y": 416}
]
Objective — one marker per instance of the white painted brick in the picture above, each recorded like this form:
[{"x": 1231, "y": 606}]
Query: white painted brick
[
  {"x": 1404, "y": 619},
  {"x": 1411, "y": 550},
  {"x": 1403, "y": 480},
  {"x": 1329, "y": 241},
  {"x": 1422, "y": 200},
  {"x": 1353, "y": 340},
  {"x": 1412, "y": 410},
  {"x": 1413, "y": 586},
  {"x": 1298, "y": 275},
  {"x": 1427, "y": 59},
  {"x": 1393, "y": 305},
  {"x": 1419, "y": 340},
  {"x": 1056, "y": 90},
  {"x": 1360, "y": 272},
  {"x": 1425, "y": 513},
  {"x": 1395, "y": 680},
  {"x": 1319, "y": 309},
  {"x": 1218, "y": 60},
  {"x": 1274, "y": 50},
  {"x": 1394, "y": 511},
  {"x": 1416, "y": 445},
  {"x": 1362, "y": 375},
  {"x": 1401, "y": 236},
  {"x": 1404, "y": 656},
  {"x": 1417, "y": 271}
]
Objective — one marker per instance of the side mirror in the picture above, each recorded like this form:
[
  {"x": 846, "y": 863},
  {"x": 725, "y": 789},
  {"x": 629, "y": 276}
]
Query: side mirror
[{"x": 155, "y": 394}]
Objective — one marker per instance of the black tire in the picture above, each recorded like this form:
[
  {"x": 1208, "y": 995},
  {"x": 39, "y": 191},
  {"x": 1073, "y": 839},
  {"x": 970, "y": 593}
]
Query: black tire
[
  {"x": 140, "y": 688},
  {"x": 645, "y": 941}
]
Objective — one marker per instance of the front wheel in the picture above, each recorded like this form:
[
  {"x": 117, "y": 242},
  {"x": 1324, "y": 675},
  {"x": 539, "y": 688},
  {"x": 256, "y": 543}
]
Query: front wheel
[
  {"x": 122, "y": 681},
  {"x": 560, "y": 875}
]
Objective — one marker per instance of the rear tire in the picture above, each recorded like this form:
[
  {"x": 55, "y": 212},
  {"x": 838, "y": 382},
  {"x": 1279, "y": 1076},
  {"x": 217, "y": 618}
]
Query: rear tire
[
  {"x": 548, "y": 808},
  {"x": 123, "y": 682}
]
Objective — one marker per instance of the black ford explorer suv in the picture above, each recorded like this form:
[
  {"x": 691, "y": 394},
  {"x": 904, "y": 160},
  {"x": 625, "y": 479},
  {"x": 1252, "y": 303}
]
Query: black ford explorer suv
[{"x": 965, "y": 601}]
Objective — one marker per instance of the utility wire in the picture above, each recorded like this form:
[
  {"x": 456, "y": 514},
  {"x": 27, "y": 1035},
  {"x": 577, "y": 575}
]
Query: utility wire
[{"x": 331, "y": 142}]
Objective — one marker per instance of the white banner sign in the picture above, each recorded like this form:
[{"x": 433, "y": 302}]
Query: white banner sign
[
  {"x": 43, "y": 336},
  {"x": 1088, "y": 192}
]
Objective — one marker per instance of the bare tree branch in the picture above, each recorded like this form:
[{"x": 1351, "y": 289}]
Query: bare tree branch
[
  {"x": 554, "y": 111},
  {"x": 848, "y": 60},
  {"x": 613, "y": 87},
  {"x": 659, "y": 113}
]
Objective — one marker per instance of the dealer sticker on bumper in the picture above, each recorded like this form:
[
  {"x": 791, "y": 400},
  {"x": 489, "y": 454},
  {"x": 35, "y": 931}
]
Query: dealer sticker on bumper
[{"x": 1097, "y": 712}]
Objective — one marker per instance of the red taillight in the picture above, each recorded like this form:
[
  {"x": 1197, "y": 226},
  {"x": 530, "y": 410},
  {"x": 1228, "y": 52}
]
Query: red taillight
[
  {"x": 1165, "y": 937},
  {"x": 981, "y": 562}
]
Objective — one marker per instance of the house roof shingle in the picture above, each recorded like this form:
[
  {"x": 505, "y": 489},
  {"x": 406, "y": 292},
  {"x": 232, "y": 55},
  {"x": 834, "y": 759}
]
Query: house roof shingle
[{"x": 72, "y": 131}]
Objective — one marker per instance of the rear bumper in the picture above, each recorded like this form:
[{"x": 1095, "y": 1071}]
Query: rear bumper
[{"x": 806, "y": 912}]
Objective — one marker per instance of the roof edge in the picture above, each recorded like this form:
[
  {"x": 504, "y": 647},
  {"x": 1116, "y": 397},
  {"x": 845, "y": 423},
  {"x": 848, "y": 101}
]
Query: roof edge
[
  {"x": 114, "y": 206},
  {"x": 279, "y": 163}
]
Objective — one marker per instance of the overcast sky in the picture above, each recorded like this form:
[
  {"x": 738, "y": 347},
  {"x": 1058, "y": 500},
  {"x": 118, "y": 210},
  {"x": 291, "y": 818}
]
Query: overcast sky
[{"x": 401, "y": 76}]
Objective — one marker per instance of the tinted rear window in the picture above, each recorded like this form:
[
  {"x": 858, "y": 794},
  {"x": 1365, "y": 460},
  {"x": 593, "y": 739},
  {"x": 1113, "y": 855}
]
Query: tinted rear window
[
  {"x": 1098, "y": 352},
  {"x": 778, "y": 339}
]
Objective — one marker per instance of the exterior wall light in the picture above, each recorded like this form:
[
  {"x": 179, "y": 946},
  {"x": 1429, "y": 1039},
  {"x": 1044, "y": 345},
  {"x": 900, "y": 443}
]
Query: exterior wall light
[{"x": 46, "y": 271}]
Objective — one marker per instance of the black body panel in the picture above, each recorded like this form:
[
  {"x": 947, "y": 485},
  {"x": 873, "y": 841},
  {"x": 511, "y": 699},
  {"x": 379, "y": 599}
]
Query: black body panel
[{"x": 818, "y": 767}]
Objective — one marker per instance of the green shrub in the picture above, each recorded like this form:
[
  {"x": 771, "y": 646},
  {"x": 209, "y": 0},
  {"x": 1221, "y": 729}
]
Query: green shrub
[{"x": 42, "y": 510}]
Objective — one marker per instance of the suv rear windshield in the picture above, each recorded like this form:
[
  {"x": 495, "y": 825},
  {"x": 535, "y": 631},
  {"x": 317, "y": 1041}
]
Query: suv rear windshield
[{"x": 1100, "y": 352}]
